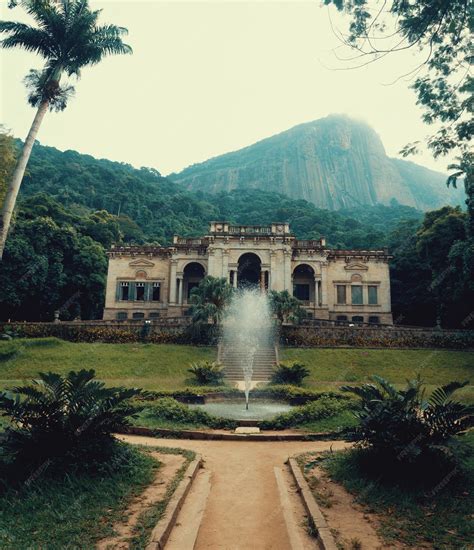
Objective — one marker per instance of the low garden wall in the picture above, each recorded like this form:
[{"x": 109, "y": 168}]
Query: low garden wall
[
  {"x": 376, "y": 337},
  {"x": 291, "y": 336}
]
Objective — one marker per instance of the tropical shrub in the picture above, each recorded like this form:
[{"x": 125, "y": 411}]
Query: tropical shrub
[
  {"x": 207, "y": 373},
  {"x": 325, "y": 407},
  {"x": 64, "y": 419},
  {"x": 290, "y": 373},
  {"x": 405, "y": 426},
  {"x": 168, "y": 409},
  {"x": 209, "y": 299},
  {"x": 286, "y": 307}
]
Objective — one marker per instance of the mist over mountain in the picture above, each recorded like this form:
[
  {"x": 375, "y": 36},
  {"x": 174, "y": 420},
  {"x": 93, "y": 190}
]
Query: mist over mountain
[{"x": 335, "y": 162}]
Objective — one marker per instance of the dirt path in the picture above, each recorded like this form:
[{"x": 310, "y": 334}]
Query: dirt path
[{"x": 245, "y": 507}]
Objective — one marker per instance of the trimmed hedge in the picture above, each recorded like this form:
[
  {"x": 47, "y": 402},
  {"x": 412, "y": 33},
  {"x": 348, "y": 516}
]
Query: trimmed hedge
[
  {"x": 170, "y": 410},
  {"x": 324, "y": 407},
  {"x": 116, "y": 334},
  {"x": 293, "y": 394},
  {"x": 359, "y": 337}
]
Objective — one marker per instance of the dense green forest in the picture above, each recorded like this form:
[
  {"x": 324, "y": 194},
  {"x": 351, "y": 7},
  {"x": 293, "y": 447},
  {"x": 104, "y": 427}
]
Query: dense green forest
[{"x": 73, "y": 207}]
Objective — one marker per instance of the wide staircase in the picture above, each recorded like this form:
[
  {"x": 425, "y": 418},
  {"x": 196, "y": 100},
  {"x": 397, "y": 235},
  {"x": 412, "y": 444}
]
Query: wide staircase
[{"x": 264, "y": 362}]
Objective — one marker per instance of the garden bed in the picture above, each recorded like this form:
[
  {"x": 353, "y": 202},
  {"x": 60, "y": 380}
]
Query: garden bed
[{"x": 437, "y": 514}]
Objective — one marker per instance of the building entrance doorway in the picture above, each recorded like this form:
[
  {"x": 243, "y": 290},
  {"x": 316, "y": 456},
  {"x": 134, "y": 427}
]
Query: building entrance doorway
[{"x": 248, "y": 271}]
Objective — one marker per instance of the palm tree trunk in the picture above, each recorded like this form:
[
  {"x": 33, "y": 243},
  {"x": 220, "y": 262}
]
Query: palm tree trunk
[{"x": 17, "y": 177}]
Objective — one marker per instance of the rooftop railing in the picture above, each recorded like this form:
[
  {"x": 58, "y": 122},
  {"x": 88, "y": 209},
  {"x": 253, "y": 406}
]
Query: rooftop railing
[{"x": 249, "y": 230}]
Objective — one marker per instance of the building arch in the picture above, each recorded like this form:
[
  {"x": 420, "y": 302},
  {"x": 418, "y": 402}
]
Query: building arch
[
  {"x": 249, "y": 268},
  {"x": 193, "y": 273},
  {"x": 304, "y": 283},
  {"x": 200, "y": 262}
]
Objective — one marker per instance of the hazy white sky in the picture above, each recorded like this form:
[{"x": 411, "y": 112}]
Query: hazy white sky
[{"x": 211, "y": 77}]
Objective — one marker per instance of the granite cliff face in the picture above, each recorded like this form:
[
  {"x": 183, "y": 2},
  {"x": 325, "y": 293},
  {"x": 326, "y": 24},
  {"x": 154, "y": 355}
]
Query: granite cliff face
[{"x": 335, "y": 162}]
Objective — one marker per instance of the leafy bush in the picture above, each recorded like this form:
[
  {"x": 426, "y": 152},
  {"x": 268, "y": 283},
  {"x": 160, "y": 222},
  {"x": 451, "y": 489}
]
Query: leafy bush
[
  {"x": 207, "y": 372},
  {"x": 290, "y": 373},
  {"x": 170, "y": 410},
  {"x": 325, "y": 407},
  {"x": 8, "y": 350},
  {"x": 404, "y": 426},
  {"x": 67, "y": 419}
]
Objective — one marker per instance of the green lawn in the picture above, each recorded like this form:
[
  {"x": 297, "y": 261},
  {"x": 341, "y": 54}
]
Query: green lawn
[
  {"x": 164, "y": 366},
  {"x": 150, "y": 366},
  {"x": 332, "y": 367},
  {"x": 71, "y": 512}
]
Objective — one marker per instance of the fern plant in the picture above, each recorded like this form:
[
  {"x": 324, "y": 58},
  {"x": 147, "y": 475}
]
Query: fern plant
[
  {"x": 207, "y": 373},
  {"x": 404, "y": 424},
  {"x": 290, "y": 373},
  {"x": 68, "y": 417}
]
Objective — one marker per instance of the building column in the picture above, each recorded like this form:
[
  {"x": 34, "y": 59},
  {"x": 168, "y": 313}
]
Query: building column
[
  {"x": 316, "y": 292},
  {"x": 225, "y": 265},
  {"x": 180, "y": 290},
  {"x": 172, "y": 297},
  {"x": 234, "y": 280},
  {"x": 262, "y": 280},
  {"x": 324, "y": 285},
  {"x": 287, "y": 271},
  {"x": 272, "y": 274}
]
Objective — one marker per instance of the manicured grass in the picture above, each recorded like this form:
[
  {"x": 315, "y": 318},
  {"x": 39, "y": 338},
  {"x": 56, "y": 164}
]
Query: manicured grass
[
  {"x": 164, "y": 366},
  {"x": 73, "y": 511},
  {"x": 331, "y": 368},
  {"x": 149, "y": 366},
  {"x": 439, "y": 514}
]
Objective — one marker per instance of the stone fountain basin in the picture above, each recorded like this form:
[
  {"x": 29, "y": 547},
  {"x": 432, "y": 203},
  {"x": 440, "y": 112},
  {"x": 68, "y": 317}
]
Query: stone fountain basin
[{"x": 259, "y": 409}]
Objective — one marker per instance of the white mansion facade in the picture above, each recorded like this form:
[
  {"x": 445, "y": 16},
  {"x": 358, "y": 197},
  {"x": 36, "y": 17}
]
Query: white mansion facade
[{"x": 147, "y": 282}]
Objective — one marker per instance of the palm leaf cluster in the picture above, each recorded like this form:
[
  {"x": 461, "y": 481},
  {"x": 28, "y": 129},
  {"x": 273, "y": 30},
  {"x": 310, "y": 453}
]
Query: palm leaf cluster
[
  {"x": 405, "y": 424},
  {"x": 209, "y": 299},
  {"x": 59, "y": 416},
  {"x": 286, "y": 307},
  {"x": 68, "y": 37},
  {"x": 207, "y": 372}
]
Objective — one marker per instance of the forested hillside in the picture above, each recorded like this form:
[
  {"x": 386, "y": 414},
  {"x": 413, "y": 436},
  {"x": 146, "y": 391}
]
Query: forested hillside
[
  {"x": 72, "y": 207},
  {"x": 150, "y": 208}
]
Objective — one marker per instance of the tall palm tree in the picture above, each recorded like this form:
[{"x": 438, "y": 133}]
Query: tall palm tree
[{"x": 68, "y": 37}]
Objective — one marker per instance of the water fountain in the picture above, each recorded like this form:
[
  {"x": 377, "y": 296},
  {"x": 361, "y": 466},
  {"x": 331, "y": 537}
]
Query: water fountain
[{"x": 247, "y": 327}]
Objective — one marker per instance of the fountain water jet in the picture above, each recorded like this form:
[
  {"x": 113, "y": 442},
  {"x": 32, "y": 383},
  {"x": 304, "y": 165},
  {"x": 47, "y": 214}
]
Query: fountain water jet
[{"x": 247, "y": 327}]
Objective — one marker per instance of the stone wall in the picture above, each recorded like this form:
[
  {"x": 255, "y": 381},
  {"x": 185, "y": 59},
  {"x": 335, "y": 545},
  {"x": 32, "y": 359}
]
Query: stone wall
[{"x": 180, "y": 331}]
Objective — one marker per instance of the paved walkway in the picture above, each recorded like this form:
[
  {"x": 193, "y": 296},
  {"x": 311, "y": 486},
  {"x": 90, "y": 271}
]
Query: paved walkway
[{"x": 244, "y": 498}]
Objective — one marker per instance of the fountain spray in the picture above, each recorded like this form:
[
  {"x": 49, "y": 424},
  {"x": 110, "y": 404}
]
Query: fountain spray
[{"x": 248, "y": 327}]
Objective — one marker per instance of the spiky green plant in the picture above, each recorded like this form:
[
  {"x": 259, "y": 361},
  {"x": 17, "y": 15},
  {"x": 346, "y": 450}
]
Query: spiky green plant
[
  {"x": 404, "y": 423},
  {"x": 63, "y": 417},
  {"x": 207, "y": 373},
  {"x": 290, "y": 373}
]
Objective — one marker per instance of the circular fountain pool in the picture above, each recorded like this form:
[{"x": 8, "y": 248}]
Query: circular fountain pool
[{"x": 259, "y": 409}]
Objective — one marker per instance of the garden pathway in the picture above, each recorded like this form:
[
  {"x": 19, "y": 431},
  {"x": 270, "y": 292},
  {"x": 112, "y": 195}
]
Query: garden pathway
[{"x": 251, "y": 503}]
